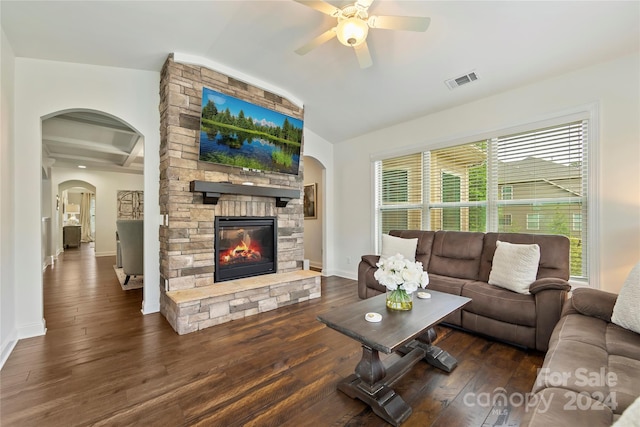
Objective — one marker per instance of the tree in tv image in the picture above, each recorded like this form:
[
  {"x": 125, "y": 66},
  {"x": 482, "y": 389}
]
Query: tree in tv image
[{"x": 238, "y": 133}]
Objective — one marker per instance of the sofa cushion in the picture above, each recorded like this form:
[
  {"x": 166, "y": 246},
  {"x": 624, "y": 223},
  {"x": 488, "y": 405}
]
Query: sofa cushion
[
  {"x": 450, "y": 285},
  {"x": 589, "y": 355},
  {"x": 500, "y": 304},
  {"x": 392, "y": 245},
  {"x": 625, "y": 311},
  {"x": 624, "y": 383},
  {"x": 456, "y": 254},
  {"x": 554, "y": 253},
  {"x": 514, "y": 266},
  {"x": 505, "y": 331},
  {"x": 549, "y": 408},
  {"x": 623, "y": 342}
]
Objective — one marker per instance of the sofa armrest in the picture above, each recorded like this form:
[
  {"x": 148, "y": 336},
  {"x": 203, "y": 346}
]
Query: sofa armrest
[
  {"x": 594, "y": 303},
  {"x": 549, "y": 283},
  {"x": 367, "y": 285},
  {"x": 550, "y": 295},
  {"x": 371, "y": 260}
]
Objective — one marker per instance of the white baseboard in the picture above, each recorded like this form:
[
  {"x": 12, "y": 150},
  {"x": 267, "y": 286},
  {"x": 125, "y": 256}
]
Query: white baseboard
[
  {"x": 315, "y": 264},
  {"x": 148, "y": 308},
  {"x": 108, "y": 253},
  {"x": 7, "y": 347},
  {"x": 32, "y": 330},
  {"x": 345, "y": 273},
  {"x": 27, "y": 331},
  {"x": 47, "y": 262}
]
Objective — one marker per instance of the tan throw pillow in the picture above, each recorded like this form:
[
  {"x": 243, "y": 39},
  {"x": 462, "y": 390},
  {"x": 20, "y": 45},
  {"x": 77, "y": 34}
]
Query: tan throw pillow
[
  {"x": 392, "y": 245},
  {"x": 626, "y": 312},
  {"x": 514, "y": 267}
]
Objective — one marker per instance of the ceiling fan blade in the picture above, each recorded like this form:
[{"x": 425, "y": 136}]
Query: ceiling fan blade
[
  {"x": 321, "y": 6},
  {"x": 409, "y": 23},
  {"x": 322, "y": 38},
  {"x": 364, "y": 57}
]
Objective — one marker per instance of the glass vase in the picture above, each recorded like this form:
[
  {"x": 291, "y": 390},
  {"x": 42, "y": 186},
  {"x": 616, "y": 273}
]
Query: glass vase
[{"x": 399, "y": 300}]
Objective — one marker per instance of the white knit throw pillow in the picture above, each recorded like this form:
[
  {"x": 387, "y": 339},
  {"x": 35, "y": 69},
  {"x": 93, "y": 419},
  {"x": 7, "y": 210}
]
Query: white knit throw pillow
[
  {"x": 392, "y": 245},
  {"x": 514, "y": 267},
  {"x": 626, "y": 311}
]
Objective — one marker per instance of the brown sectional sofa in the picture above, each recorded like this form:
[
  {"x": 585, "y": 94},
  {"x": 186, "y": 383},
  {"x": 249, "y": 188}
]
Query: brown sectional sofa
[
  {"x": 591, "y": 372},
  {"x": 460, "y": 262}
]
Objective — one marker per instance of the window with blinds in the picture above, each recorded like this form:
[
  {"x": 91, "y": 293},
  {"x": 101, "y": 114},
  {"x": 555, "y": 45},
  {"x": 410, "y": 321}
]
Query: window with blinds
[
  {"x": 399, "y": 196},
  {"x": 530, "y": 182}
]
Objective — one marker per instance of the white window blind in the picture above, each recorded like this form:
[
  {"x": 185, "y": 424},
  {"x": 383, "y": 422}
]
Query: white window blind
[
  {"x": 530, "y": 182},
  {"x": 399, "y": 196},
  {"x": 458, "y": 187},
  {"x": 547, "y": 170}
]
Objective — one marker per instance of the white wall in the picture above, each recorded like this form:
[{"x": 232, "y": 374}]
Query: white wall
[
  {"x": 322, "y": 151},
  {"x": 614, "y": 85},
  {"x": 313, "y": 174},
  {"x": 44, "y": 88},
  {"x": 107, "y": 185},
  {"x": 8, "y": 330}
]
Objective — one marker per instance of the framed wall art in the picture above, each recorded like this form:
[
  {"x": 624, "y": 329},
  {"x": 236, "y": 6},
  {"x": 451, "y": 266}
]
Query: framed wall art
[{"x": 310, "y": 201}]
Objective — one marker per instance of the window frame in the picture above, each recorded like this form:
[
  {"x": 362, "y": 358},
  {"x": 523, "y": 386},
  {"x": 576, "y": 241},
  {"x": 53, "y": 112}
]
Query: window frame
[
  {"x": 589, "y": 112},
  {"x": 530, "y": 216},
  {"x": 505, "y": 217},
  {"x": 502, "y": 192}
]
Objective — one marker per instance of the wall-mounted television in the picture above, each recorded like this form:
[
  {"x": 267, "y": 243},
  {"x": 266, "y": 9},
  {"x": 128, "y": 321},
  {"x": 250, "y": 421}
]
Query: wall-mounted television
[{"x": 238, "y": 133}]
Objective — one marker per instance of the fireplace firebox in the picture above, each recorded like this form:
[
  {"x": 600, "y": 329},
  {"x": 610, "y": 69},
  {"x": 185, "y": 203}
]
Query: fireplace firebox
[{"x": 245, "y": 247}]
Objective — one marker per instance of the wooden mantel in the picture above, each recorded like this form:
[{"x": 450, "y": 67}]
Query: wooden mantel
[{"x": 211, "y": 192}]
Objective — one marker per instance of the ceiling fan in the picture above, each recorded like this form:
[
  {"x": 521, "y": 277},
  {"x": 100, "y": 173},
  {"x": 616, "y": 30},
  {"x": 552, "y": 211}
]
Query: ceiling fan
[{"x": 353, "y": 26}]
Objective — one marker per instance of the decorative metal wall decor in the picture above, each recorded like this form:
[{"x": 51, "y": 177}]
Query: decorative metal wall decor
[{"x": 130, "y": 204}]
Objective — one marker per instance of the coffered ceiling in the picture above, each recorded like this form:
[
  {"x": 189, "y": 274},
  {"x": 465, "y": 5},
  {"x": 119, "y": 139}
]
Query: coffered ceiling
[
  {"x": 93, "y": 140},
  {"x": 507, "y": 43}
]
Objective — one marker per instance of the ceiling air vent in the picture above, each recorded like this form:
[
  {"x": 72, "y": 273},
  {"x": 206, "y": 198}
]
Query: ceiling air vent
[{"x": 462, "y": 80}]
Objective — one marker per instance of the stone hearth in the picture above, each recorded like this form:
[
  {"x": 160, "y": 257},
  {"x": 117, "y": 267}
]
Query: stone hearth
[{"x": 199, "y": 308}]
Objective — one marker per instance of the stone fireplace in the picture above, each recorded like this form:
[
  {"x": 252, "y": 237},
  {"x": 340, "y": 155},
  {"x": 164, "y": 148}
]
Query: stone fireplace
[{"x": 195, "y": 197}]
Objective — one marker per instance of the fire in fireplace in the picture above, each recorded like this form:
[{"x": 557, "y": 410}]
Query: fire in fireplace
[{"x": 245, "y": 247}]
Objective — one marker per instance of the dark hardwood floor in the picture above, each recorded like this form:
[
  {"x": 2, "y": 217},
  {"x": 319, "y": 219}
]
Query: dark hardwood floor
[{"x": 103, "y": 363}]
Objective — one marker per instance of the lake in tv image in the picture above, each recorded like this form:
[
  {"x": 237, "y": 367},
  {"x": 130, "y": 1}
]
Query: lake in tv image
[{"x": 237, "y": 133}]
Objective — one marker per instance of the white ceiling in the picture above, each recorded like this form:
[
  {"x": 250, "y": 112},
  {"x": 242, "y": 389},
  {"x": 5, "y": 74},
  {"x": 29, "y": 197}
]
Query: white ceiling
[{"x": 507, "y": 43}]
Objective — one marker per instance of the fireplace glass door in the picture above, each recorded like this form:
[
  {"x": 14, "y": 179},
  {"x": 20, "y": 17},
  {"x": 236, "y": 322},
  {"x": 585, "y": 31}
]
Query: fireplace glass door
[{"x": 245, "y": 247}]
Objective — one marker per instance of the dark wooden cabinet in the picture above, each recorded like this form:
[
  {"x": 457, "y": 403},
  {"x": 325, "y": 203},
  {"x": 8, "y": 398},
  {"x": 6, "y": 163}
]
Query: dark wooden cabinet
[{"x": 71, "y": 236}]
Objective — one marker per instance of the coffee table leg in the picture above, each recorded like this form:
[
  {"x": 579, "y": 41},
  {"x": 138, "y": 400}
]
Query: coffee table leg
[
  {"x": 434, "y": 355},
  {"x": 368, "y": 385}
]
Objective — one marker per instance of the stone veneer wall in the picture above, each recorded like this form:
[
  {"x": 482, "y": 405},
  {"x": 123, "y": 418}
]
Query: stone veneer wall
[{"x": 186, "y": 242}]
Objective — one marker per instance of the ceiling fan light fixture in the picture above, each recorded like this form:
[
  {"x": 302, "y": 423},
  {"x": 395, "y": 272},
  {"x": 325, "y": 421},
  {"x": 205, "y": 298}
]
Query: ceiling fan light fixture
[{"x": 352, "y": 31}]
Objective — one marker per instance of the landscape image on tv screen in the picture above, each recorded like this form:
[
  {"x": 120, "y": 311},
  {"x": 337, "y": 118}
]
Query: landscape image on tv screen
[{"x": 238, "y": 133}]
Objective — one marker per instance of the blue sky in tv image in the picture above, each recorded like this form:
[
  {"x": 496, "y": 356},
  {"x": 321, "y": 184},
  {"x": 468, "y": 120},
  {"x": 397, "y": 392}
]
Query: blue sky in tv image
[{"x": 263, "y": 115}]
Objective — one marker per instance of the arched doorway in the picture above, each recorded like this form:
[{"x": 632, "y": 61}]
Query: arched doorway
[
  {"x": 76, "y": 206},
  {"x": 91, "y": 157},
  {"x": 314, "y": 222}
]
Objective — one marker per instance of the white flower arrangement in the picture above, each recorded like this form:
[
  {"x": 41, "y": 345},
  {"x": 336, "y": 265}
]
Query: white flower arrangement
[{"x": 398, "y": 273}]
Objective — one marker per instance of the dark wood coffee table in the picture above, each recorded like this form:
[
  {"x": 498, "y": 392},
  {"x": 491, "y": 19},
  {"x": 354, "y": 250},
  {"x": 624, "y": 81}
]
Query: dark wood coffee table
[{"x": 406, "y": 332}]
